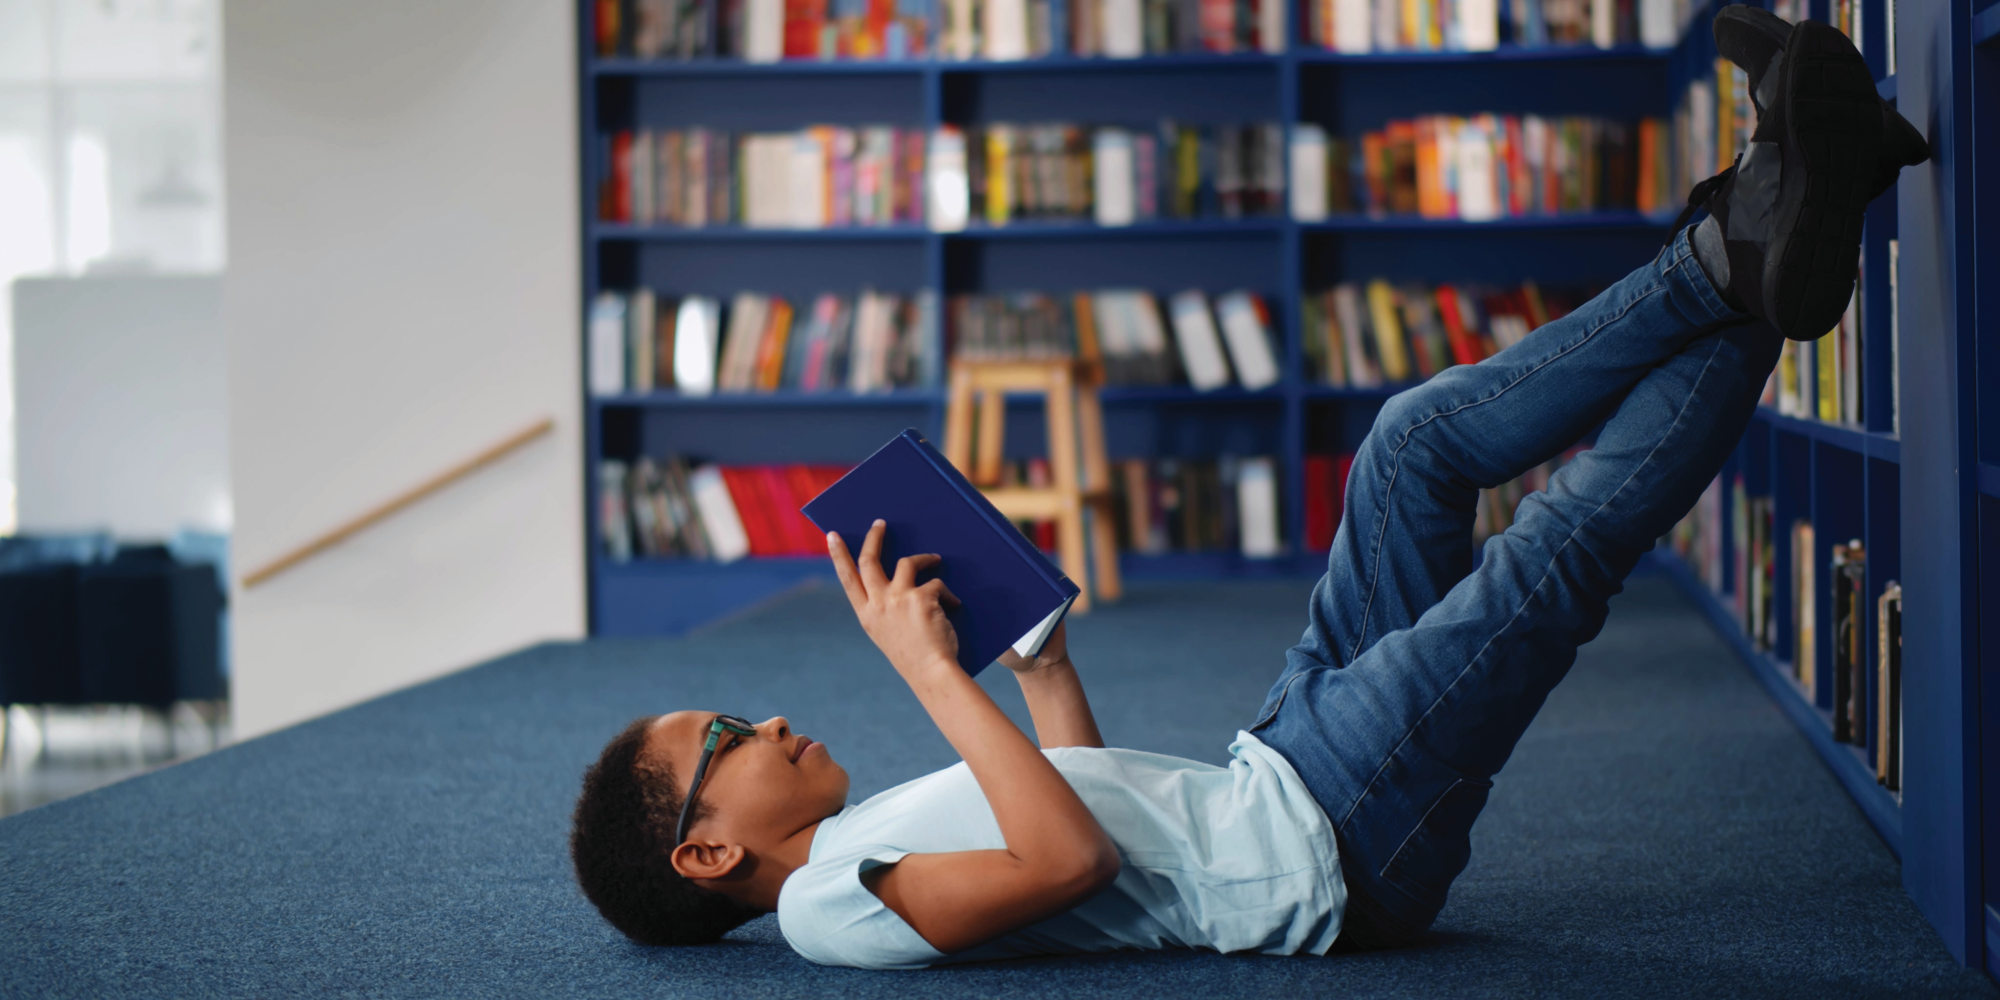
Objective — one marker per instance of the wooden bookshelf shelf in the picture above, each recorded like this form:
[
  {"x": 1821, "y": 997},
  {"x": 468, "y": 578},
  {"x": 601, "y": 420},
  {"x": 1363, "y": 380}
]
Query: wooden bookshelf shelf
[
  {"x": 1849, "y": 766},
  {"x": 1103, "y": 64},
  {"x": 1872, "y": 444}
]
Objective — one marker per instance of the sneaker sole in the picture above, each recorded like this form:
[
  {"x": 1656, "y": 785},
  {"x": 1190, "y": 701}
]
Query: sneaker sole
[{"x": 1833, "y": 139}]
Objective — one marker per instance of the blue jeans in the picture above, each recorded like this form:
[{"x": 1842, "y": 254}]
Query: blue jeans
[{"x": 1417, "y": 675}]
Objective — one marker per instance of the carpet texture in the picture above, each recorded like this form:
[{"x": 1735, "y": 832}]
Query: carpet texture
[{"x": 1661, "y": 832}]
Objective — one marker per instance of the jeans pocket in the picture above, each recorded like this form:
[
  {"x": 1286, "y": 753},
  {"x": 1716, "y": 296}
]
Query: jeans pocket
[{"x": 1434, "y": 853}]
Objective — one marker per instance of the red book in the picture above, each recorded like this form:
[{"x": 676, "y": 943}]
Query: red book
[
  {"x": 1465, "y": 347},
  {"x": 744, "y": 490},
  {"x": 803, "y": 21},
  {"x": 795, "y": 486},
  {"x": 1322, "y": 519},
  {"x": 617, "y": 205}
]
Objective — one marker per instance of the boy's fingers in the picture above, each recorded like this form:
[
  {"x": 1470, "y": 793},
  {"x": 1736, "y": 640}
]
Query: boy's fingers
[
  {"x": 843, "y": 567},
  {"x": 943, "y": 593},
  {"x": 871, "y": 556},
  {"x": 908, "y": 567}
]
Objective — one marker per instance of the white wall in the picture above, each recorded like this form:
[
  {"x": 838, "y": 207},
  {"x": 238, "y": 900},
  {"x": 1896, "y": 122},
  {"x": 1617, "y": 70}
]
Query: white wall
[
  {"x": 402, "y": 291},
  {"x": 121, "y": 401}
]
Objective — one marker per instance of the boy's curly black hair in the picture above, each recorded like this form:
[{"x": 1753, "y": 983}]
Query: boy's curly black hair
[{"x": 621, "y": 839}]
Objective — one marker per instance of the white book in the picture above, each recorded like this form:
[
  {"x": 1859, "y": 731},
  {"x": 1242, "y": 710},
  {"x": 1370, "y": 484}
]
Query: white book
[
  {"x": 1201, "y": 349},
  {"x": 643, "y": 176},
  {"x": 1351, "y": 30},
  {"x": 1657, "y": 29},
  {"x": 809, "y": 201},
  {"x": 1387, "y": 19},
  {"x": 867, "y": 360},
  {"x": 1271, "y": 25},
  {"x": 1361, "y": 373},
  {"x": 763, "y": 31},
  {"x": 1604, "y": 23},
  {"x": 1114, "y": 334},
  {"x": 767, "y": 170},
  {"x": 950, "y": 199},
  {"x": 1123, "y": 35},
  {"x": 1112, "y": 177},
  {"x": 1148, "y": 333},
  {"x": 1257, "y": 507},
  {"x": 747, "y": 313},
  {"x": 696, "y": 328},
  {"x": 607, "y": 344},
  {"x": 961, "y": 30},
  {"x": 1004, "y": 27},
  {"x": 612, "y": 523},
  {"x": 642, "y": 332},
  {"x": 727, "y": 541},
  {"x": 1478, "y": 187},
  {"x": 1308, "y": 156},
  {"x": 1249, "y": 340},
  {"x": 1479, "y": 25}
]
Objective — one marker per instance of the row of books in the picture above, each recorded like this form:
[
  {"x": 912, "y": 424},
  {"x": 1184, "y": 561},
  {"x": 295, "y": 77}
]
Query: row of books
[
  {"x": 1494, "y": 513},
  {"x": 1856, "y": 666},
  {"x": 1227, "y": 504},
  {"x": 770, "y": 30},
  {"x": 1821, "y": 379},
  {"x": 1358, "y": 26},
  {"x": 1368, "y": 335},
  {"x": 668, "y": 509},
  {"x": 869, "y": 342},
  {"x": 1213, "y": 345},
  {"x": 1112, "y": 176},
  {"x": 1483, "y": 167},
  {"x": 825, "y": 175}
]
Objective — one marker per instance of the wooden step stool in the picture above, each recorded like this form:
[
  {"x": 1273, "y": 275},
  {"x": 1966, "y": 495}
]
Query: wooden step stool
[{"x": 1072, "y": 413}]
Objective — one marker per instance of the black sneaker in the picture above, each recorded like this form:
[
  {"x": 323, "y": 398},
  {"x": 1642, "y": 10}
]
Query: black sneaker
[
  {"x": 1754, "y": 39},
  {"x": 1790, "y": 208}
]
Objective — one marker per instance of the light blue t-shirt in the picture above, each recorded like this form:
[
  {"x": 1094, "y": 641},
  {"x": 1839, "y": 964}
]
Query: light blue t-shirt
[{"x": 1232, "y": 859}]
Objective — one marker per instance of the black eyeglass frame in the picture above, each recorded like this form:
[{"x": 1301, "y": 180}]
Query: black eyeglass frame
[{"x": 722, "y": 723}]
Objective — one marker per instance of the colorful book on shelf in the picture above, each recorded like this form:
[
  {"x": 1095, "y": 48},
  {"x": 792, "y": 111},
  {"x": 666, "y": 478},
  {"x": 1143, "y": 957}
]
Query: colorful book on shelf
[
  {"x": 1847, "y": 589},
  {"x": 1889, "y": 681},
  {"x": 1805, "y": 618},
  {"x": 1009, "y": 593},
  {"x": 1326, "y": 497}
]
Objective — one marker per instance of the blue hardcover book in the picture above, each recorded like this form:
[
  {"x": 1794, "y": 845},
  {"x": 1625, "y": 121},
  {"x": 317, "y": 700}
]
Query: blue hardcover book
[{"x": 1009, "y": 593}]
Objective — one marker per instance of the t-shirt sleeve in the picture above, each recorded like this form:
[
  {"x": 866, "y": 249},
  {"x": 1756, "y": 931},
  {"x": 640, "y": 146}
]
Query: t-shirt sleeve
[{"x": 828, "y": 916}]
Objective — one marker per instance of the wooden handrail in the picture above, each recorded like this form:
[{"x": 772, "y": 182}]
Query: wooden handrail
[{"x": 398, "y": 502}]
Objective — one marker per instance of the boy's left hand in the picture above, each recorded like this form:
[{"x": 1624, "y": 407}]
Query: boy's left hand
[
  {"x": 905, "y": 619},
  {"x": 1054, "y": 651}
]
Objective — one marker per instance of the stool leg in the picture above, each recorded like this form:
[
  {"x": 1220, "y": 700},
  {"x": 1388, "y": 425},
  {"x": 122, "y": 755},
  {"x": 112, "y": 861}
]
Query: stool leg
[
  {"x": 1061, "y": 414},
  {"x": 1104, "y": 546},
  {"x": 1097, "y": 480},
  {"x": 958, "y": 420},
  {"x": 992, "y": 436}
]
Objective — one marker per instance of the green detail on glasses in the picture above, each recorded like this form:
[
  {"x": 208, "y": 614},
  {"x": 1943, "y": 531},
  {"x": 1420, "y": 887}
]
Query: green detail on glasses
[{"x": 722, "y": 724}]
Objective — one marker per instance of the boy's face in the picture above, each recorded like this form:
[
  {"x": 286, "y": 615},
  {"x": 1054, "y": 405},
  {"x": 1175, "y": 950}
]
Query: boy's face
[{"x": 760, "y": 789}]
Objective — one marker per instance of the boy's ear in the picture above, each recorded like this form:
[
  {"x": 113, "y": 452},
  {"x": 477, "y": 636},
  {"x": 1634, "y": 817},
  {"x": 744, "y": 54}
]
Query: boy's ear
[{"x": 707, "y": 860}]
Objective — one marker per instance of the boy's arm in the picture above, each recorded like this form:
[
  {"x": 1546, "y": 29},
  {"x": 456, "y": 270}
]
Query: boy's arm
[
  {"x": 1056, "y": 855},
  {"x": 1055, "y": 694}
]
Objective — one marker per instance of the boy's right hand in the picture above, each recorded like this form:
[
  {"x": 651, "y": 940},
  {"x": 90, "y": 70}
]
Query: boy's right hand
[{"x": 905, "y": 619}]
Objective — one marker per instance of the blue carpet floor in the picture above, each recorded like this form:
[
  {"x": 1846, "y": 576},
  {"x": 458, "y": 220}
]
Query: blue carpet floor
[{"x": 1661, "y": 832}]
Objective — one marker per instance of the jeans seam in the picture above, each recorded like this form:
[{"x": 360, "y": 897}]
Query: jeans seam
[
  {"x": 1532, "y": 591},
  {"x": 1398, "y": 852},
  {"x": 1375, "y": 563}
]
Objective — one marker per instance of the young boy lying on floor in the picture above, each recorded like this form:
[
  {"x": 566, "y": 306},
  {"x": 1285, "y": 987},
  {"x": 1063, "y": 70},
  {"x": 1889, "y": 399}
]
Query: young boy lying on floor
[{"x": 1347, "y": 810}]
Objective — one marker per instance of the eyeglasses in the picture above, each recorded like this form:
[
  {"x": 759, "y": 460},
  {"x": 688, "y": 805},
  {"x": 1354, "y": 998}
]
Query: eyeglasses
[{"x": 722, "y": 723}]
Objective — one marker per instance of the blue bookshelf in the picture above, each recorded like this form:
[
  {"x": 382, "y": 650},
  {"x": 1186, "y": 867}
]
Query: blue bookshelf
[
  {"x": 1922, "y": 493},
  {"x": 1923, "y": 497}
]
